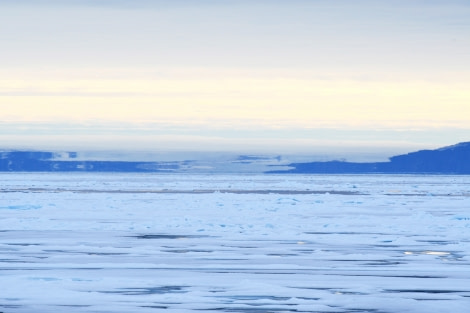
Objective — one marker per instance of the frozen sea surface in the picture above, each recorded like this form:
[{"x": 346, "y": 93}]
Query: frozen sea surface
[{"x": 234, "y": 243}]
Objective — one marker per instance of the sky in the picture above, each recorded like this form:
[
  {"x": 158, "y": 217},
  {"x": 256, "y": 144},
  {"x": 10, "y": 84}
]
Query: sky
[{"x": 258, "y": 76}]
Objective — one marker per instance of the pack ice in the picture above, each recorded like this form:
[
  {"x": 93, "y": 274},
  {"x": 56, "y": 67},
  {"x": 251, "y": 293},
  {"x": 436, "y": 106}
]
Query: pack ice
[{"x": 90, "y": 242}]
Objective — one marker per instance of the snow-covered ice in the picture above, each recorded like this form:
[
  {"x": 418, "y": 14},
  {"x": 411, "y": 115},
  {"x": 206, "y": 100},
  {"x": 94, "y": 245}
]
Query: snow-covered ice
[{"x": 88, "y": 242}]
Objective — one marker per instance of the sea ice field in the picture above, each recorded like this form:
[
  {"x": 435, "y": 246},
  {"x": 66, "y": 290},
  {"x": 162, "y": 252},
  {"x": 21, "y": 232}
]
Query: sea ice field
[{"x": 92, "y": 242}]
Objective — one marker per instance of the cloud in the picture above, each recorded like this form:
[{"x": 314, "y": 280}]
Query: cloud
[{"x": 300, "y": 34}]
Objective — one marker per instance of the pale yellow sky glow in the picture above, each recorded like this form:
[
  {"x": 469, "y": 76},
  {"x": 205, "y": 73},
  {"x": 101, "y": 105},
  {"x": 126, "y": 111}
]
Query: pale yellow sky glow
[{"x": 238, "y": 102}]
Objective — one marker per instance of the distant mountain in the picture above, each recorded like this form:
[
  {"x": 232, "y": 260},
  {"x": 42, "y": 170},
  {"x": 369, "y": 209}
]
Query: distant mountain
[{"x": 447, "y": 160}]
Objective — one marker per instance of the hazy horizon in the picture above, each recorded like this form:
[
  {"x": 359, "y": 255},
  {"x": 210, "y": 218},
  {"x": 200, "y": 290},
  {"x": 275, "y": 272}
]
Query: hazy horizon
[{"x": 321, "y": 154}]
